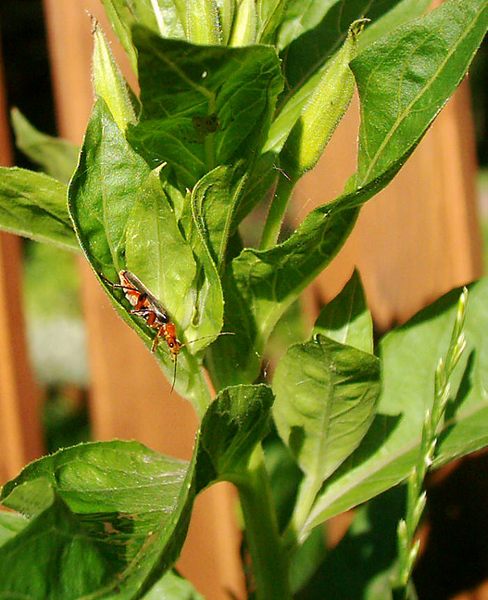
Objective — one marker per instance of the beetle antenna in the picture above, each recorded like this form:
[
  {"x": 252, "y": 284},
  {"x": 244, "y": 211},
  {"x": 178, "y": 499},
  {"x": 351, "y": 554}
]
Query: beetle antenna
[
  {"x": 117, "y": 286},
  {"x": 206, "y": 337}
]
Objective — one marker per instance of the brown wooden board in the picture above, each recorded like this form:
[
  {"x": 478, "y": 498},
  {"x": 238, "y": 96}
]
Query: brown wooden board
[{"x": 20, "y": 431}]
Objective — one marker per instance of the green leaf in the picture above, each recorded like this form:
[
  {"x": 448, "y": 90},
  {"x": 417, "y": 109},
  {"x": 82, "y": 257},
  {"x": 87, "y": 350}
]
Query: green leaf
[
  {"x": 55, "y": 156},
  {"x": 346, "y": 318},
  {"x": 34, "y": 205},
  {"x": 208, "y": 305},
  {"x": 260, "y": 285},
  {"x": 326, "y": 395},
  {"x": 109, "y": 518},
  {"x": 234, "y": 424},
  {"x": 284, "y": 477},
  {"x": 401, "y": 96},
  {"x": 106, "y": 518},
  {"x": 226, "y": 10},
  {"x": 300, "y": 17},
  {"x": 103, "y": 194},
  {"x": 202, "y": 105},
  {"x": 103, "y": 191},
  {"x": 314, "y": 18},
  {"x": 108, "y": 82},
  {"x": 157, "y": 253},
  {"x": 166, "y": 20},
  {"x": 257, "y": 186},
  {"x": 409, "y": 359},
  {"x": 173, "y": 587},
  {"x": 307, "y": 558},
  {"x": 321, "y": 29},
  {"x": 384, "y": 21}
]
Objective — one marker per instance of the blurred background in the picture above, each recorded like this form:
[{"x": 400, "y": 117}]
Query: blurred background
[{"x": 51, "y": 282}]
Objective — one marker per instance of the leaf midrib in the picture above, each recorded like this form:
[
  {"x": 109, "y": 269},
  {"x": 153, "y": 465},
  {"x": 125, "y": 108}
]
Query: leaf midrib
[{"x": 405, "y": 113}]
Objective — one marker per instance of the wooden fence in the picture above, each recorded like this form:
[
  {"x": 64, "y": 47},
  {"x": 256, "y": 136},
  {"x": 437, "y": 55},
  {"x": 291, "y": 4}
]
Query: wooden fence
[{"x": 415, "y": 241}]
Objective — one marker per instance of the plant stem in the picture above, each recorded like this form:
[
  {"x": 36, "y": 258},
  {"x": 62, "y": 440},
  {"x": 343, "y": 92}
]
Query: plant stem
[
  {"x": 276, "y": 212},
  {"x": 269, "y": 561}
]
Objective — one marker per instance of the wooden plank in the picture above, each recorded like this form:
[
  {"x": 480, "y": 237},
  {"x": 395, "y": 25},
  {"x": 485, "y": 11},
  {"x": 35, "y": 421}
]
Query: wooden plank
[
  {"x": 20, "y": 431},
  {"x": 130, "y": 398}
]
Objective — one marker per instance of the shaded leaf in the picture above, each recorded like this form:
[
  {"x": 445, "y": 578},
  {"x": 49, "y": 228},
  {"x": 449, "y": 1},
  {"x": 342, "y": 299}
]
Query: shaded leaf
[
  {"x": 284, "y": 476},
  {"x": 321, "y": 28},
  {"x": 208, "y": 305},
  {"x": 215, "y": 198},
  {"x": 202, "y": 105},
  {"x": 234, "y": 424},
  {"x": 361, "y": 564},
  {"x": 34, "y": 205},
  {"x": 346, "y": 318},
  {"x": 311, "y": 34},
  {"x": 390, "y": 15},
  {"x": 307, "y": 559}
]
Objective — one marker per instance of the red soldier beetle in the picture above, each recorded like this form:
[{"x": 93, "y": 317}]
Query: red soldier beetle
[{"x": 148, "y": 307}]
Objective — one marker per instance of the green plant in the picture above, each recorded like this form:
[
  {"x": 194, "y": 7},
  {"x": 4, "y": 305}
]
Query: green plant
[{"x": 237, "y": 98}]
